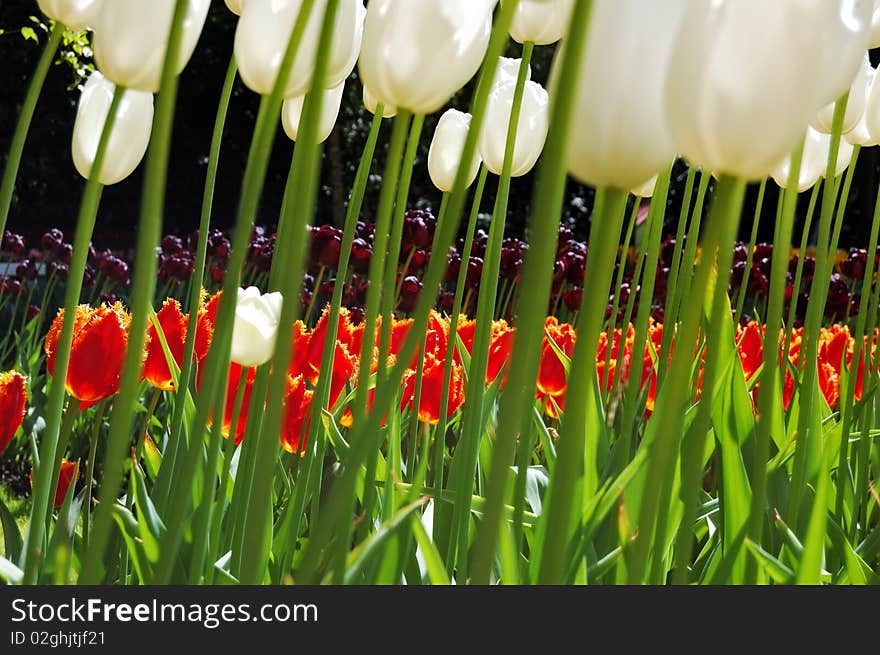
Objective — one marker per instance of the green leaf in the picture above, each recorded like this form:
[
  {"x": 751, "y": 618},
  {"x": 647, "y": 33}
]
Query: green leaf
[
  {"x": 11, "y": 534},
  {"x": 150, "y": 525},
  {"x": 29, "y": 34},
  {"x": 777, "y": 571},
  {"x": 372, "y": 545},
  {"x": 128, "y": 527},
  {"x": 433, "y": 562}
]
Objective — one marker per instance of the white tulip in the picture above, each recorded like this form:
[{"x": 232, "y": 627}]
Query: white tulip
[
  {"x": 417, "y": 54},
  {"x": 744, "y": 84},
  {"x": 131, "y": 37},
  {"x": 371, "y": 103},
  {"x": 256, "y": 326},
  {"x": 855, "y": 104},
  {"x": 130, "y": 135},
  {"x": 291, "y": 112},
  {"x": 845, "y": 29},
  {"x": 861, "y": 134},
  {"x": 531, "y": 133},
  {"x": 74, "y": 14},
  {"x": 813, "y": 161},
  {"x": 508, "y": 69},
  {"x": 541, "y": 21},
  {"x": 447, "y": 147},
  {"x": 263, "y": 33},
  {"x": 872, "y": 111},
  {"x": 645, "y": 190},
  {"x": 619, "y": 137}
]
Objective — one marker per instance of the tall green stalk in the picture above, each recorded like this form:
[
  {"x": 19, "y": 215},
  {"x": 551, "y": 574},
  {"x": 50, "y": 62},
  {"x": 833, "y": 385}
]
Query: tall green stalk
[
  {"x": 665, "y": 428},
  {"x": 85, "y": 225},
  {"x": 799, "y": 269},
  {"x": 217, "y": 362},
  {"x": 472, "y": 431},
  {"x": 362, "y": 436},
  {"x": 290, "y": 265},
  {"x": 143, "y": 289},
  {"x": 578, "y": 451},
  {"x": 163, "y": 482},
  {"x": 518, "y": 399},
  {"x": 391, "y": 265},
  {"x": 22, "y": 126},
  {"x": 756, "y": 219},
  {"x": 808, "y": 453}
]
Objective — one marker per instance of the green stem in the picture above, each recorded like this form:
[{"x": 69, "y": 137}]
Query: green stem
[
  {"x": 217, "y": 362},
  {"x": 378, "y": 259},
  {"x": 472, "y": 432},
  {"x": 675, "y": 267},
  {"x": 799, "y": 269},
  {"x": 389, "y": 297},
  {"x": 90, "y": 473},
  {"x": 665, "y": 428},
  {"x": 85, "y": 225},
  {"x": 322, "y": 391},
  {"x": 808, "y": 453},
  {"x": 19, "y": 137},
  {"x": 143, "y": 288},
  {"x": 759, "y": 205},
  {"x": 166, "y": 472},
  {"x": 70, "y": 415},
  {"x": 335, "y": 520},
  {"x": 287, "y": 271},
  {"x": 577, "y": 465},
  {"x": 615, "y": 303},
  {"x": 683, "y": 289}
]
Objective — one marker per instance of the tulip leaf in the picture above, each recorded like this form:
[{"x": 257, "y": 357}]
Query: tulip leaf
[
  {"x": 11, "y": 534},
  {"x": 151, "y": 526},
  {"x": 778, "y": 572},
  {"x": 128, "y": 527},
  {"x": 436, "y": 571}
]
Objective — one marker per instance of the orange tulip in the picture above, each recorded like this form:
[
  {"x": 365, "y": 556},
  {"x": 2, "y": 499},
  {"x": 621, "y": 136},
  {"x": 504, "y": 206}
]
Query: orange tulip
[
  {"x": 68, "y": 473},
  {"x": 432, "y": 390},
  {"x": 551, "y": 372},
  {"x": 500, "y": 348},
  {"x": 232, "y": 386},
  {"x": 314, "y": 347},
  {"x": 297, "y": 400},
  {"x": 174, "y": 327},
  {"x": 100, "y": 337},
  {"x": 13, "y": 401},
  {"x": 750, "y": 342}
]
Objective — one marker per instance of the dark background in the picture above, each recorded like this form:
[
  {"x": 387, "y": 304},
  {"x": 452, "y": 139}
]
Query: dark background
[{"x": 49, "y": 189}]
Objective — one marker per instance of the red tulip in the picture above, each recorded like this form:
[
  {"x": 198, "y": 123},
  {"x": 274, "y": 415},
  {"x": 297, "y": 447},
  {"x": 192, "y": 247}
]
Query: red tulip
[
  {"x": 13, "y": 401},
  {"x": 69, "y": 473},
  {"x": 297, "y": 400},
  {"x": 100, "y": 338}
]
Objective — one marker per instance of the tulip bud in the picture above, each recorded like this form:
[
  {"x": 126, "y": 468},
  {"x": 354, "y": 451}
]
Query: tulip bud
[
  {"x": 741, "y": 91},
  {"x": 508, "y": 69},
  {"x": 74, "y": 14},
  {"x": 131, "y": 38},
  {"x": 861, "y": 134},
  {"x": 371, "y": 103},
  {"x": 256, "y": 325},
  {"x": 446, "y": 150},
  {"x": 540, "y": 21},
  {"x": 292, "y": 109},
  {"x": 814, "y": 161},
  {"x": 235, "y": 6},
  {"x": 263, "y": 33},
  {"x": 620, "y": 138},
  {"x": 531, "y": 132},
  {"x": 416, "y": 55},
  {"x": 130, "y": 135},
  {"x": 872, "y": 110},
  {"x": 855, "y": 104}
]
